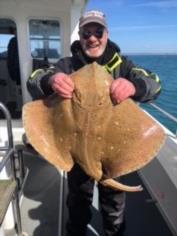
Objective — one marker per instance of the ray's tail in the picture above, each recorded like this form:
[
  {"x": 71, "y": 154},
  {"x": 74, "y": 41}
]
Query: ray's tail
[{"x": 120, "y": 187}]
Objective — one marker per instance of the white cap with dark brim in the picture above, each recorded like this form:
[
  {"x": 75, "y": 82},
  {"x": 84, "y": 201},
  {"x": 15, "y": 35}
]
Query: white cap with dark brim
[{"x": 92, "y": 17}]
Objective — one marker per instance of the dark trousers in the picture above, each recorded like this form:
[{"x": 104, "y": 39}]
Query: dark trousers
[{"x": 112, "y": 204}]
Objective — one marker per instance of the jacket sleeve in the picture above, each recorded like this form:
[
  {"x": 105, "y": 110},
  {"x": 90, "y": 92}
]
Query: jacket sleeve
[
  {"x": 147, "y": 83},
  {"x": 34, "y": 83},
  {"x": 38, "y": 83}
]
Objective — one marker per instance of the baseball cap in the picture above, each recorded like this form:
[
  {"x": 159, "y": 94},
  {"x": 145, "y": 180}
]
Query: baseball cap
[{"x": 92, "y": 17}]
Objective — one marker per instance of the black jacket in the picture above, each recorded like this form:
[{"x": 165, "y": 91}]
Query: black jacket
[{"x": 146, "y": 83}]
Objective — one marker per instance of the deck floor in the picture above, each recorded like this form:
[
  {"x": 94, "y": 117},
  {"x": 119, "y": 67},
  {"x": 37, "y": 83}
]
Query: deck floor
[{"x": 41, "y": 201}]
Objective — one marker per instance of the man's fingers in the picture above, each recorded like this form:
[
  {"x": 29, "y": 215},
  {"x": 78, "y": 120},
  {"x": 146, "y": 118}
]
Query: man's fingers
[
  {"x": 121, "y": 89},
  {"x": 114, "y": 86},
  {"x": 62, "y": 91},
  {"x": 69, "y": 82},
  {"x": 64, "y": 82},
  {"x": 63, "y": 85}
]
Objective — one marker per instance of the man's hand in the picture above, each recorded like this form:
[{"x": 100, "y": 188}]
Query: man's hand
[
  {"x": 121, "y": 89},
  {"x": 62, "y": 84}
]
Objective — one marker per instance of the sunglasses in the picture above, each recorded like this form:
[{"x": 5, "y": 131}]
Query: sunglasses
[{"x": 86, "y": 34}]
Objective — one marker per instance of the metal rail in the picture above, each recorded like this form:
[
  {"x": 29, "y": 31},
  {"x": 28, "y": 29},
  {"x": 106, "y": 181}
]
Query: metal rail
[
  {"x": 61, "y": 204},
  {"x": 9, "y": 126},
  {"x": 6, "y": 159},
  {"x": 171, "y": 117},
  {"x": 9, "y": 155}
]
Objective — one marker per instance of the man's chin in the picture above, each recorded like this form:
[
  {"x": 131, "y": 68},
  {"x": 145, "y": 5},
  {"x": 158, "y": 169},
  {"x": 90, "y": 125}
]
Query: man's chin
[{"x": 93, "y": 54}]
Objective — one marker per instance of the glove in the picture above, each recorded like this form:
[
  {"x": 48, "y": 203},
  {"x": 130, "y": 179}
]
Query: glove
[
  {"x": 62, "y": 84},
  {"x": 121, "y": 89}
]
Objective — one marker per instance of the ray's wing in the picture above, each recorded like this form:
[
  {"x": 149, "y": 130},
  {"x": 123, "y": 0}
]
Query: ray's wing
[
  {"x": 39, "y": 127},
  {"x": 132, "y": 140}
]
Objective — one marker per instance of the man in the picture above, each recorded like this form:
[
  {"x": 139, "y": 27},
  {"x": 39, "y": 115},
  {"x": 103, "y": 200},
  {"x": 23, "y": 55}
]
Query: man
[{"x": 130, "y": 81}]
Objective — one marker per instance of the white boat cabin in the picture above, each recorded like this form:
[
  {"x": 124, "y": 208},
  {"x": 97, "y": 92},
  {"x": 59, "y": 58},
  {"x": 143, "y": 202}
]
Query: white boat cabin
[{"x": 32, "y": 33}]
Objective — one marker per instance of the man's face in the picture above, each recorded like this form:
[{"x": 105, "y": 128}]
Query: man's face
[{"x": 93, "y": 38}]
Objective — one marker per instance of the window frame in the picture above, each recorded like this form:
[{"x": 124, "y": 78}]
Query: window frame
[{"x": 59, "y": 39}]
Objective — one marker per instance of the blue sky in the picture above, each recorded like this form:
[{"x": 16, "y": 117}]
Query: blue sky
[{"x": 140, "y": 26}]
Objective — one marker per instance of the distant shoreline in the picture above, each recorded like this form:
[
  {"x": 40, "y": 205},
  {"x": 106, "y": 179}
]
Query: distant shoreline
[{"x": 150, "y": 54}]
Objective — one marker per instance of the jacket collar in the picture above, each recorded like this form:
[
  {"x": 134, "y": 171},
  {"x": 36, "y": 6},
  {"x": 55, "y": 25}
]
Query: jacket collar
[{"x": 109, "y": 58}]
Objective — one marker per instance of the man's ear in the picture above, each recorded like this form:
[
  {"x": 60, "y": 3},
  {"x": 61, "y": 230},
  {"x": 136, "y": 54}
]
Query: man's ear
[{"x": 79, "y": 32}]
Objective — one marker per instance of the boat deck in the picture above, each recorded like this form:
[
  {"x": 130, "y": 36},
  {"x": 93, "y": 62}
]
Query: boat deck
[{"x": 40, "y": 205}]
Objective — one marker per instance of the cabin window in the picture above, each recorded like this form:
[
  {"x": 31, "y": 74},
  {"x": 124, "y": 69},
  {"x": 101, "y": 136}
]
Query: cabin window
[
  {"x": 45, "y": 40},
  {"x": 10, "y": 81}
]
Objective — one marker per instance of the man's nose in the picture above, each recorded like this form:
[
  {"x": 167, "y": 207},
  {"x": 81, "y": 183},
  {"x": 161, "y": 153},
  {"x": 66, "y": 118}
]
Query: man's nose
[{"x": 93, "y": 38}]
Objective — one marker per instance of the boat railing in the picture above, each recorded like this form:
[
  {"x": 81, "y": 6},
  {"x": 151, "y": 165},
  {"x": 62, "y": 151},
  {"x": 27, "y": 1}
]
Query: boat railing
[
  {"x": 165, "y": 113},
  {"x": 11, "y": 185}
]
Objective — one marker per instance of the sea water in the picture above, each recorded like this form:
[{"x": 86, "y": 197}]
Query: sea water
[{"x": 166, "y": 68}]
